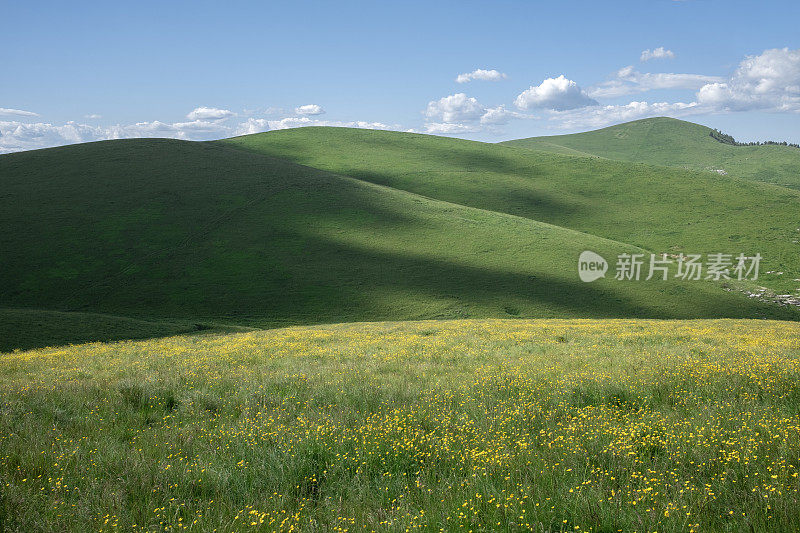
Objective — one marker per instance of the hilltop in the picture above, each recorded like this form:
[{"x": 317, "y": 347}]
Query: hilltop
[{"x": 677, "y": 143}]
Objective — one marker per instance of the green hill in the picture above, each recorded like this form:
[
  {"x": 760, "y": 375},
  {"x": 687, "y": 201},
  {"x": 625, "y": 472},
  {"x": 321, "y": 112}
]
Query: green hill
[
  {"x": 676, "y": 143},
  {"x": 182, "y": 236},
  {"x": 656, "y": 208}
]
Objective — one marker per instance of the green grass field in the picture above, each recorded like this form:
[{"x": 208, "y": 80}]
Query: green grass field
[
  {"x": 676, "y": 143},
  {"x": 545, "y": 425},
  {"x": 321, "y": 225},
  {"x": 653, "y": 207}
]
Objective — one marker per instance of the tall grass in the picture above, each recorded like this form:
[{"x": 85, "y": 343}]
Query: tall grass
[{"x": 544, "y": 425}]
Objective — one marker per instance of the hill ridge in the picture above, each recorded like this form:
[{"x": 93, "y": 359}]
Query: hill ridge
[
  {"x": 679, "y": 144},
  {"x": 220, "y": 234}
]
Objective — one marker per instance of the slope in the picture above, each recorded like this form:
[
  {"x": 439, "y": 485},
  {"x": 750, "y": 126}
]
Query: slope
[
  {"x": 32, "y": 328},
  {"x": 652, "y": 207},
  {"x": 165, "y": 230},
  {"x": 676, "y": 143}
]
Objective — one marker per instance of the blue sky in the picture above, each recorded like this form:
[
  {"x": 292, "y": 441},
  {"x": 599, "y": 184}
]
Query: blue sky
[{"x": 79, "y": 71}]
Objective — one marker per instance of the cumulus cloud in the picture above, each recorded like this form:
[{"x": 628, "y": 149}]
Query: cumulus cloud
[
  {"x": 309, "y": 109},
  {"x": 769, "y": 81},
  {"x": 16, "y": 135},
  {"x": 482, "y": 75},
  {"x": 554, "y": 93},
  {"x": 455, "y": 108},
  {"x": 209, "y": 113},
  {"x": 459, "y": 113},
  {"x": 251, "y": 126},
  {"x": 628, "y": 80},
  {"x": 93, "y": 116},
  {"x": 6, "y": 112},
  {"x": 656, "y": 53}
]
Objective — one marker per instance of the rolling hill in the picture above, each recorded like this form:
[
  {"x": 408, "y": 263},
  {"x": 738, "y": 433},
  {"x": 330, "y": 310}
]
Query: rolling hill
[
  {"x": 676, "y": 143},
  {"x": 150, "y": 237},
  {"x": 660, "y": 209}
]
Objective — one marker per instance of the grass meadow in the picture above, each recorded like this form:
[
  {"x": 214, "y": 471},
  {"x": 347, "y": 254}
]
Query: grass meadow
[
  {"x": 676, "y": 143},
  {"x": 475, "y": 425}
]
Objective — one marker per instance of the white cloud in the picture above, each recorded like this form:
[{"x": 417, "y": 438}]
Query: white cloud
[
  {"x": 454, "y": 108},
  {"x": 500, "y": 115},
  {"x": 459, "y": 113},
  {"x": 5, "y": 112},
  {"x": 554, "y": 93},
  {"x": 628, "y": 80},
  {"x": 194, "y": 130},
  {"x": 251, "y": 126},
  {"x": 599, "y": 116},
  {"x": 93, "y": 116},
  {"x": 481, "y": 74},
  {"x": 656, "y": 53},
  {"x": 209, "y": 113},
  {"x": 16, "y": 136},
  {"x": 299, "y": 122},
  {"x": 769, "y": 81},
  {"x": 309, "y": 109},
  {"x": 443, "y": 128}
]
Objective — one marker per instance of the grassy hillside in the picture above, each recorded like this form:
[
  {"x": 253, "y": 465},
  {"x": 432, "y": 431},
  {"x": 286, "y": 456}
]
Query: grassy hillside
[
  {"x": 31, "y": 328},
  {"x": 656, "y": 208},
  {"x": 676, "y": 143},
  {"x": 560, "y": 425},
  {"x": 387, "y": 226},
  {"x": 194, "y": 233}
]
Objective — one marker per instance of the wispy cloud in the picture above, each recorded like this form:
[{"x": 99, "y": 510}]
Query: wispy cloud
[
  {"x": 656, "y": 53},
  {"x": 482, "y": 75},
  {"x": 6, "y": 112},
  {"x": 628, "y": 80},
  {"x": 604, "y": 115}
]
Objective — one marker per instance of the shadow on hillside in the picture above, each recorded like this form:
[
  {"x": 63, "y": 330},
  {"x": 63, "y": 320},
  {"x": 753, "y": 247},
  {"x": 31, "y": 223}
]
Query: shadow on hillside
[
  {"x": 326, "y": 281},
  {"x": 239, "y": 240},
  {"x": 26, "y": 329},
  {"x": 329, "y": 282},
  {"x": 378, "y": 150},
  {"x": 480, "y": 290}
]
